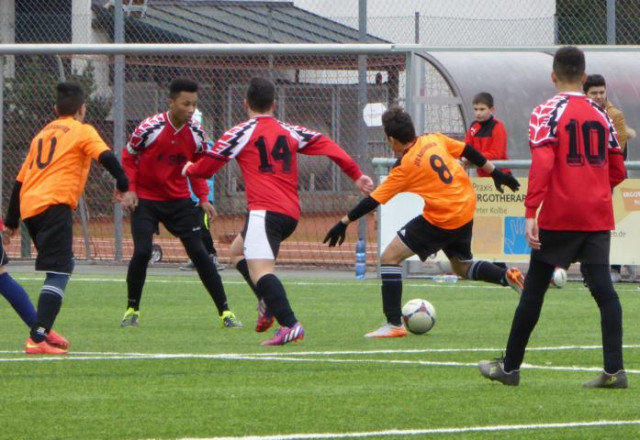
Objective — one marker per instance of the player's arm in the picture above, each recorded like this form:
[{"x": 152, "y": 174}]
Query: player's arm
[
  {"x": 499, "y": 178},
  {"x": 12, "y": 217},
  {"x": 542, "y": 160},
  {"x": 337, "y": 233},
  {"x": 205, "y": 167},
  {"x": 321, "y": 145},
  {"x": 395, "y": 183},
  {"x": 224, "y": 150},
  {"x": 94, "y": 147},
  {"x": 617, "y": 170},
  {"x": 110, "y": 162},
  {"x": 200, "y": 188}
]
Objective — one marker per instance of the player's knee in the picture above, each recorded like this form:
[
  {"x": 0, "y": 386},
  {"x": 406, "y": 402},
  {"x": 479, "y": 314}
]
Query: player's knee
[
  {"x": 56, "y": 282},
  {"x": 390, "y": 259},
  {"x": 142, "y": 254},
  {"x": 460, "y": 268}
]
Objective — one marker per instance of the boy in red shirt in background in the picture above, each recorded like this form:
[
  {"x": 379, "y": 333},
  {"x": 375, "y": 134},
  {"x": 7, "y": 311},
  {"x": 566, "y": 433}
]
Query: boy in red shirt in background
[{"x": 487, "y": 134}]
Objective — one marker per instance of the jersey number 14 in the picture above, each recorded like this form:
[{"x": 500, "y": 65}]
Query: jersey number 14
[{"x": 278, "y": 152}]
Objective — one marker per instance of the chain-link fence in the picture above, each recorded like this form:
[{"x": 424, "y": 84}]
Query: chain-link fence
[
  {"x": 321, "y": 92},
  {"x": 490, "y": 22}
]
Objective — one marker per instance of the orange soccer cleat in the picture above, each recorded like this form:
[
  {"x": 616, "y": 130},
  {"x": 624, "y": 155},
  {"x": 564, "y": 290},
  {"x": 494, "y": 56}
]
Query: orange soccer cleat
[{"x": 32, "y": 347}]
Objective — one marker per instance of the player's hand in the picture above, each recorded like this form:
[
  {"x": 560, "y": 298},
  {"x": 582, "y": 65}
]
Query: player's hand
[
  {"x": 531, "y": 233},
  {"x": 209, "y": 210},
  {"x": 117, "y": 196},
  {"x": 364, "y": 184},
  {"x": 185, "y": 168},
  {"x": 7, "y": 234},
  {"x": 336, "y": 234},
  {"x": 130, "y": 201},
  {"x": 507, "y": 179}
]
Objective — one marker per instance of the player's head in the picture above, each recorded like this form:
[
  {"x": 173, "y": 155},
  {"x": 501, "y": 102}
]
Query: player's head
[
  {"x": 398, "y": 127},
  {"x": 70, "y": 100},
  {"x": 568, "y": 66},
  {"x": 595, "y": 88},
  {"x": 483, "y": 106},
  {"x": 261, "y": 95},
  {"x": 183, "y": 99}
]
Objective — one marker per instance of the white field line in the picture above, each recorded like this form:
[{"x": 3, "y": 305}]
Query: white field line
[
  {"x": 290, "y": 357},
  {"x": 436, "y": 431},
  {"x": 344, "y": 352},
  {"x": 369, "y": 283}
]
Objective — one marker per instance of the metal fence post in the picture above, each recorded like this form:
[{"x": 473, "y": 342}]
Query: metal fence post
[
  {"x": 362, "y": 102},
  {"x": 611, "y": 21},
  {"x": 118, "y": 119}
]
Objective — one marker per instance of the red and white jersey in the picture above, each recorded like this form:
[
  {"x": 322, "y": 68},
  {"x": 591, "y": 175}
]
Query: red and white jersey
[
  {"x": 266, "y": 150},
  {"x": 155, "y": 155},
  {"x": 576, "y": 161}
]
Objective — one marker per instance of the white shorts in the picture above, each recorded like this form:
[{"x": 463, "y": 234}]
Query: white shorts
[{"x": 263, "y": 232}]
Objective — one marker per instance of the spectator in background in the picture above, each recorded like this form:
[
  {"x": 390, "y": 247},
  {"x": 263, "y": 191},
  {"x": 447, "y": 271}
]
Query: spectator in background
[
  {"x": 487, "y": 134},
  {"x": 201, "y": 216},
  {"x": 596, "y": 89}
]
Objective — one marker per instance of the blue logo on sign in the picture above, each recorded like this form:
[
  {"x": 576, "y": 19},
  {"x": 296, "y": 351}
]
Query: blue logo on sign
[{"x": 514, "y": 240}]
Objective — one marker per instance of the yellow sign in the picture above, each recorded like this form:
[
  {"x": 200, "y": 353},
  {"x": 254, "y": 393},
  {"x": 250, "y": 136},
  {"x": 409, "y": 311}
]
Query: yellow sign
[{"x": 498, "y": 229}]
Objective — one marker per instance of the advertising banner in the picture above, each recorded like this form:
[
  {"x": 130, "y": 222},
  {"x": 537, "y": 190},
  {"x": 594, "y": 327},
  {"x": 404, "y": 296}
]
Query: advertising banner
[{"x": 498, "y": 229}]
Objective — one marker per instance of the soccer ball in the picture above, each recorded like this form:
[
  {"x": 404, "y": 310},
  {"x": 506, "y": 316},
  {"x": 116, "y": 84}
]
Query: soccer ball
[
  {"x": 559, "y": 278},
  {"x": 419, "y": 316}
]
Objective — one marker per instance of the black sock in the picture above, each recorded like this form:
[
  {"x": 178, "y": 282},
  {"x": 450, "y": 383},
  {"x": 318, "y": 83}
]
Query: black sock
[
  {"x": 49, "y": 305},
  {"x": 136, "y": 276},
  {"x": 271, "y": 289},
  {"x": 489, "y": 272},
  {"x": 391, "y": 275},
  {"x": 243, "y": 268}
]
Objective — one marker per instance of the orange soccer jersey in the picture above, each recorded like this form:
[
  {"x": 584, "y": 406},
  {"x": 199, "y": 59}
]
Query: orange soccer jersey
[
  {"x": 429, "y": 169},
  {"x": 57, "y": 165}
]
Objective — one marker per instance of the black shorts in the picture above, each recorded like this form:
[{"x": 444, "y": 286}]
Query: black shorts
[
  {"x": 263, "y": 232},
  {"x": 4, "y": 259},
  {"x": 52, "y": 235},
  {"x": 178, "y": 216},
  {"x": 425, "y": 239},
  {"x": 561, "y": 248}
]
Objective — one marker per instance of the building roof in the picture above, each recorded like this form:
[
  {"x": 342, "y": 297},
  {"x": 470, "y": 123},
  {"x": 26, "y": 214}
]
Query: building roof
[{"x": 211, "y": 21}]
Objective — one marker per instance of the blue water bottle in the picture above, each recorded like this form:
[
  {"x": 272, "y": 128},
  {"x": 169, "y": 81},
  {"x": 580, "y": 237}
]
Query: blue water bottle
[{"x": 361, "y": 259}]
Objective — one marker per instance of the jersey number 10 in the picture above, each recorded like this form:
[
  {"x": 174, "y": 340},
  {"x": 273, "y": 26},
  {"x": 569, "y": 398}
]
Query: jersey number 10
[{"x": 585, "y": 136}]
